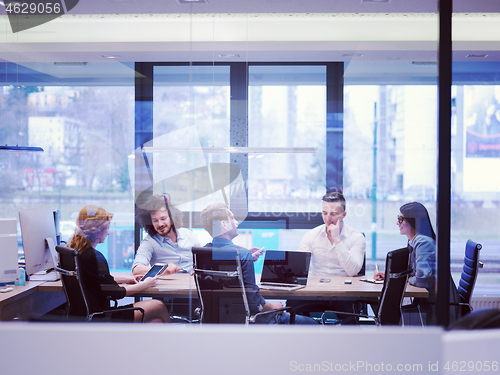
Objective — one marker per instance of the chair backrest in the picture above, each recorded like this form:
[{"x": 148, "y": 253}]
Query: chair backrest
[
  {"x": 218, "y": 275},
  {"x": 469, "y": 272},
  {"x": 478, "y": 319},
  {"x": 69, "y": 268},
  {"x": 362, "y": 271},
  {"x": 391, "y": 297}
]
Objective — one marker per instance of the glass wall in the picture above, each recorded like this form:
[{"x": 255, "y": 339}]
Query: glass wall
[
  {"x": 279, "y": 99},
  {"x": 87, "y": 135}
]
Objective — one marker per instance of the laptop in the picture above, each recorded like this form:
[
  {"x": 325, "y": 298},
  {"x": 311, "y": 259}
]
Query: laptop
[{"x": 285, "y": 270}]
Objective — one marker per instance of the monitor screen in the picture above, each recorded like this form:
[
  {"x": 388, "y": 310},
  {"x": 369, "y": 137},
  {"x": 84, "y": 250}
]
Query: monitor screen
[{"x": 36, "y": 225}]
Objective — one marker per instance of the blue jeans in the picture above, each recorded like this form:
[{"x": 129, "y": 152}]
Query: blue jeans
[{"x": 284, "y": 318}]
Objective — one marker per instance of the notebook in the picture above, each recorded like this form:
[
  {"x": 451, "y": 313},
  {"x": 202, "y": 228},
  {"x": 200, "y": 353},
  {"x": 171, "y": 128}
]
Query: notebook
[{"x": 285, "y": 270}]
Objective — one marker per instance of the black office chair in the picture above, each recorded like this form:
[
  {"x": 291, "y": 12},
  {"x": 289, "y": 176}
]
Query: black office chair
[
  {"x": 388, "y": 309},
  {"x": 220, "y": 285},
  {"x": 465, "y": 286},
  {"x": 477, "y": 319},
  {"x": 469, "y": 275},
  {"x": 76, "y": 296}
]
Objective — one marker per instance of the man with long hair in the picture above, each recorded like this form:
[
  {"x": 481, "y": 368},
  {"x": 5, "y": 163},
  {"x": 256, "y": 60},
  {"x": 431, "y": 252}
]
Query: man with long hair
[{"x": 166, "y": 242}]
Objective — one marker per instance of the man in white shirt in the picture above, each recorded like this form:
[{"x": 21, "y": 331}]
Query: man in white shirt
[{"x": 336, "y": 248}]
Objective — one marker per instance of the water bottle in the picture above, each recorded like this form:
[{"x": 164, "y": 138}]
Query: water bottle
[{"x": 21, "y": 280}]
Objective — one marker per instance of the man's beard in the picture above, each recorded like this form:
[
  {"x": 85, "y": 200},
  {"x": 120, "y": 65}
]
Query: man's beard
[{"x": 165, "y": 233}]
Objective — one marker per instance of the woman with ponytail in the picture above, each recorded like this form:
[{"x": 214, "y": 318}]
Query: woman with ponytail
[
  {"x": 92, "y": 228},
  {"x": 414, "y": 222}
]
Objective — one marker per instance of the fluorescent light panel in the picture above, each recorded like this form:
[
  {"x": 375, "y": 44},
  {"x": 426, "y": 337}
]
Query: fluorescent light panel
[{"x": 233, "y": 150}]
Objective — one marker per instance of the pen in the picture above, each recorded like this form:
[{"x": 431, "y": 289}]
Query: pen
[{"x": 376, "y": 267}]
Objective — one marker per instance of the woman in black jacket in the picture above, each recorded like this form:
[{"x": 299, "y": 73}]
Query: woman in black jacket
[{"x": 92, "y": 228}]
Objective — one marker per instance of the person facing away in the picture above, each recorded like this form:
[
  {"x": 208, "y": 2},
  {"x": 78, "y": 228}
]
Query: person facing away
[
  {"x": 336, "y": 248},
  {"x": 92, "y": 228},
  {"x": 219, "y": 221},
  {"x": 166, "y": 241},
  {"x": 414, "y": 223}
]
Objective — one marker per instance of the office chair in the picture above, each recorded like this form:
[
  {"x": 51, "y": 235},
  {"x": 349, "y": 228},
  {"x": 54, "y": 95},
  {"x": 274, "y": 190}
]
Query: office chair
[
  {"x": 469, "y": 275},
  {"x": 465, "y": 285},
  {"x": 76, "y": 296},
  {"x": 388, "y": 309},
  {"x": 219, "y": 283}
]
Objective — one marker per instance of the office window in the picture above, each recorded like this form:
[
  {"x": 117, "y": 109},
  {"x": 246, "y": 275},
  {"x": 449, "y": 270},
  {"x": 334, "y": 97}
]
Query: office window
[
  {"x": 191, "y": 110},
  {"x": 475, "y": 185},
  {"x": 398, "y": 124},
  {"x": 87, "y": 135},
  {"x": 212, "y": 107},
  {"x": 287, "y": 108}
]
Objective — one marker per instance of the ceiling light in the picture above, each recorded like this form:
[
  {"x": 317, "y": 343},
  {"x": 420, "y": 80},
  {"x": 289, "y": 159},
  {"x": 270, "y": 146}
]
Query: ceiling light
[
  {"x": 192, "y": 1},
  {"x": 227, "y": 55},
  {"x": 424, "y": 63},
  {"x": 233, "y": 150},
  {"x": 109, "y": 56},
  {"x": 71, "y": 64},
  {"x": 479, "y": 56},
  {"x": 352, "y": 55},
  {"x": 21, "y": 148},
  {"x": 375, "y": 1}
]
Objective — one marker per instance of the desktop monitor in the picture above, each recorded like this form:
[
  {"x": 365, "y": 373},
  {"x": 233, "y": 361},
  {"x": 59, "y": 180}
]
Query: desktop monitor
[
  {"x": 37, "y": 225},
  {"x": 8, "y": 250}
]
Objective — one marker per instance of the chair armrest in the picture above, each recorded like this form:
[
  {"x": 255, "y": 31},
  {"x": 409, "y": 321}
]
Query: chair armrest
[
  {"x": 91, "y": 316},
  {"x": 217, "y": 273},
  {"x": 253, "y": 318},
  {"x": 65, "y": 272},
  {"x": 350, "y": 314}
]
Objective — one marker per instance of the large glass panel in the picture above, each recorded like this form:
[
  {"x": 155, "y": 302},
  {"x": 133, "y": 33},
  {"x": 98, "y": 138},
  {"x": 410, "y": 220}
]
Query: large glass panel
[
  {"x": 390, "y": 143},
  {"x": 475, "y": 155},
  {"x": 86, "y": 132},
  {"x": 396, "y": 124},
  {"x": 475, "y": 189},
  {"x": 191, "y": 111},
  {"x": 287, "y": 108}
]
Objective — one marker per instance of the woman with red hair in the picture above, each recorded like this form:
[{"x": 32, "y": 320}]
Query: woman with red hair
[{"x": 92, "y": 228}]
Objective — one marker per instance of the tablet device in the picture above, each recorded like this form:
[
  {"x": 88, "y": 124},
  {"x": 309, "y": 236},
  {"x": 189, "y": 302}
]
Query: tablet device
[
  {"x": 157, "y": 269},
  {"x": 372, "y": 281}
]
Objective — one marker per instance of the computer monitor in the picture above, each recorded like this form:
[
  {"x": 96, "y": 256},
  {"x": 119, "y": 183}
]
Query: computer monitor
[
  {"x": 8, "y": 250},
  {"x": 37, "y": 225}
]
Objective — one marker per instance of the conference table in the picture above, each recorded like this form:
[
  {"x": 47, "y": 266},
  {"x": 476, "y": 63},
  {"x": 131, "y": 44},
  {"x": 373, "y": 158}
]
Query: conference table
[{"x": 40, "y": 297}]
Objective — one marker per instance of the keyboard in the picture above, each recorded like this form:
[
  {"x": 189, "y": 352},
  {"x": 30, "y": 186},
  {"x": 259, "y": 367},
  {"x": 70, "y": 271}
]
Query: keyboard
[
  {"x": 280, "y": 286},
  {"x": 49, "y": 276}
]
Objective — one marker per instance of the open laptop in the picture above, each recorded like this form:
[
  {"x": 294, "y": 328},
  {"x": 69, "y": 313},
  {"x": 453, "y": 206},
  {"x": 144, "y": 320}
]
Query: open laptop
[{"x": 285, "y": 270}]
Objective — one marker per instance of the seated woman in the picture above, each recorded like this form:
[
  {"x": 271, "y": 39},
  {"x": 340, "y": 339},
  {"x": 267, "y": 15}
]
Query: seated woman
[
  {"x": 92, "y": 228},
  {"x": 414, "y": 223}
]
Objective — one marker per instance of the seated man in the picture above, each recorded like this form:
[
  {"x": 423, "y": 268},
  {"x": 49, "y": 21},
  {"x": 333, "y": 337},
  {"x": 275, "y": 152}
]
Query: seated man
[
  {"x": 219, "y": 221},
  {"x": 164, "y": 243},
  {"x": 336, "y": 249}
]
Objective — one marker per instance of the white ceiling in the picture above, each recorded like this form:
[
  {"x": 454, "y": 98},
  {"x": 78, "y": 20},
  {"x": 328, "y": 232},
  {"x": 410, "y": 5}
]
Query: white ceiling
[{"x": 255, "y": 30}]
